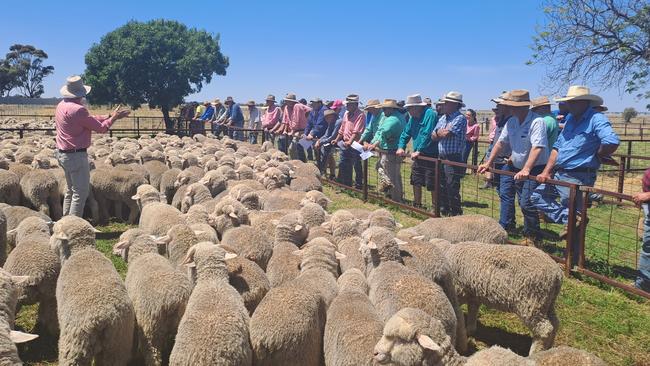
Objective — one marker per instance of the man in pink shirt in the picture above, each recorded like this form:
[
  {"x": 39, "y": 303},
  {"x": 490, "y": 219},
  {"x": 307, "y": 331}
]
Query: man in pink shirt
[
  {"x": 352, "y": 126},
  {"x": 294, "y": 119},
  {"x": 271, "y": 117},
  {"x": 74, "y": 125}
]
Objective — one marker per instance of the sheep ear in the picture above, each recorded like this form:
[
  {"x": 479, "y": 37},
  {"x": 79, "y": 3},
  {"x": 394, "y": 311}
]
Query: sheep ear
[
  {"x": 398, "y": 225},
  {"x": 372, "y": 245},
  {"x": 95, "y": 230},
  {"x": 229, "y": 256},
  {"x": 190, "y": 264},
  {"x": 121, "y": 245},
  {"x": 204, "y": 181},
  {"x": 12, "y": 231},
  {"x": 62, "y": 236},
  {"x": 428, "y": 343},
  {"x": 135, "y": 197},
  {"x": 418, "y": 237},
  {"x": 20, "y": 337},
  {"x": 298, "y": 228},
  {"x": 233, "y": 215},
  {"x": 163, "y": 197},
  {"x": 163, "y": 240},
  {"x": 199, "y": 232},
  {"x": 189, "y": 257},
  {"x": 400, "y": 241},
  {"x": 19, "y": 280},
  {"x": 340, "y": 256}
]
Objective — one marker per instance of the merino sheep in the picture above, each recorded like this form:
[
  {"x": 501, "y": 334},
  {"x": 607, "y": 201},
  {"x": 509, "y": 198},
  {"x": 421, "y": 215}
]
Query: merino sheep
[
  {"x": 457, "y": 229},
  {"x": 214, "y": 328},
  {"x": 249, "y": 242},
  {"x": 306, "y": 184},
  {"x": 117, "y": 186},
  {"x": 353, "y": 326},
  {"x": 273, "y": 179},
  {"x": 566, "y": 356},
  {"x": 178, "y": 240},
  {"x": 215, "y": 182},
  {"x": 195, "y": 194},
  {"x": 41, "y": 190},
  {"x": 228, "y": 213},
  {"x": 167, "y": 180},
  {"x": 344, "y": 225},
  {"x": 159, "y": 294},
  {"x": 394, "y": 286},
  {"x": 9, "y": 187},
  {"x": 249, "y": 280},
  {"x": 287, "y": 326},
  {"x": 317, "y": 197},
  {"x": 94, "y": 311},
  {"x": 290, "y": 233},
  {"x": 158, "y": 217},
  {"x": 33, "y": 258},
  {"x": 14, "y": 216},
  {"x": 313, "y": 214},
  {"x": 9, "y": 337},
  {"x": 518, "y": 279}
]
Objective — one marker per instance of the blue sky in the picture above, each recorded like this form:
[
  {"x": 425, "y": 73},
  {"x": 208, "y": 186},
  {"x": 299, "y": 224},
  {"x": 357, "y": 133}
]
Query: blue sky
[{"x": 377, "y": 49}]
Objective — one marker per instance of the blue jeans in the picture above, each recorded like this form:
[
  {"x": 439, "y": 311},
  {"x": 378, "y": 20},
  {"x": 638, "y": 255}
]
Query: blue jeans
[
  {"x": 507, "y": 191},
  {"x": 468, "y": 149},
  {"x": 524, "y": 189},
  {"x": 450, "y": 186},
  {"x": 348, "y": 160},
  {"x": 282, "y": 144},
  {"x": 643, "y": 280},
  {"x": 545, "y": 195},
  {"x": 252, "y": 137}
]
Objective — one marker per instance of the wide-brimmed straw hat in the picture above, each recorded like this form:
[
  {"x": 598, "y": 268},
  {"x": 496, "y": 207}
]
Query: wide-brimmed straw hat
[
  {"x": 329, "y": 112},
  {"x": 229, "y": 100},
  {"x": 539, "y": 102},
  {"x": 516, "y": 98},
  {"x": 290, "y": 97},
  {"x": 427, "y": 100},
  {"x": 216, "y": 101},
  {"x": 271, "y": 98},
  {"x": 372, "y": 104},
  {"x": 454, "y": 97},
  {"x": 352, "y": 98},
  {"x": 600, "y": 108},
  {"x": 414, "y": 100},
  {"x": 390, "y": 103},
  {"x": 316, "y": 100},
  {"x": 74, "y": 88},
  {"x": 580, "y": 92},
  {"x": 499, "y": 99},
  {"x": 251, "y": 103}
]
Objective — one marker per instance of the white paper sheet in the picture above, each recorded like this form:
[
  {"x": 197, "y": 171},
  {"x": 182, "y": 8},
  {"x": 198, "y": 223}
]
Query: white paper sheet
[
  {"x": 365, "y": 155},
  {"x": 357, "y": 146}
]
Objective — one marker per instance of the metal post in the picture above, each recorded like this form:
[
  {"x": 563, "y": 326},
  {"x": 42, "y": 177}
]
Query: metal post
[
  {"x": 629, "y": 153},
  {"x": 436, "y": 189},
  {"x": 21, "y": 133},
  {"x": 263, "y": 133},
  {"x": 582, "y": 230},
  {"x": 621, "y": 176},
  {"x": 365, "y": 180},
  {"x": 570, "y": 229},
  {"x": 137, "y": 125}
]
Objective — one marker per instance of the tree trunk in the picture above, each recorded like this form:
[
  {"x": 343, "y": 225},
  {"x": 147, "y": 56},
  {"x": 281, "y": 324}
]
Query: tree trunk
[{"x": 169, "y": 124}]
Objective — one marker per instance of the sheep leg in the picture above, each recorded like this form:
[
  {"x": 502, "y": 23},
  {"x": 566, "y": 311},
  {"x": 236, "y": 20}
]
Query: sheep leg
[
  {"x": 118, "y": 210},
  {"x": 55, "y": 206},
  {"x": 117, "y": 343},
  {"x": 94, "y": 208},
  {"x": 134, "y": 211},
  {"x": 75, "y": 349},
  {"x": 544, "y": 329},
  {"x": 47, "y": 319},
  {"x": 472, "y": 315}
]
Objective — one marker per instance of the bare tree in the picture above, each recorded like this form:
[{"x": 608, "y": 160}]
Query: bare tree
[{"x": 603, "y": 42}]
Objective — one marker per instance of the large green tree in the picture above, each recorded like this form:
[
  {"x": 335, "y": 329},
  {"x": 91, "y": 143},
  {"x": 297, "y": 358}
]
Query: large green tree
[
  {"x": 159, "y": 63},
  {"x": 605, "y": 42},
  {"x": 23, "y": 69}
]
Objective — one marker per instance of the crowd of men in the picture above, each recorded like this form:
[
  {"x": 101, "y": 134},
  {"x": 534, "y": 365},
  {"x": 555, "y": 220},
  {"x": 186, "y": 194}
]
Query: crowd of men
[{"x": 526, "y": 139}]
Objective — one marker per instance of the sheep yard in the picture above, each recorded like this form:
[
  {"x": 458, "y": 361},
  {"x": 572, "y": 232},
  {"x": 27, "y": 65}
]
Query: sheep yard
[{"x": 154, "y": 199}]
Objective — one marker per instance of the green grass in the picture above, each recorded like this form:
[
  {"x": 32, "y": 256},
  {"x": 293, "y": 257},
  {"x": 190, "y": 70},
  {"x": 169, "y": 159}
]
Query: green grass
[{"x": 594, "y": 317}]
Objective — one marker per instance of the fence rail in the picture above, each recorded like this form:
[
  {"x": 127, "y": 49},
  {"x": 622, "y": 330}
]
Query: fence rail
[{"x": 606, "y": 248}]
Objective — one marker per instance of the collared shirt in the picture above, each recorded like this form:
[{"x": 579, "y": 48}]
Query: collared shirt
[
  {"x": 74, "y": 125},
  {"x": 295, "y": 118},
  {"x": 271, "y": 117},
  {"x": 200, "y": 109},
  {"x": 235, "y": 114},
  {"x": 472, "y": 132},
  {"x": 645, "y": 181},
  {"x": 552, "y": 128},
  {"x": 454, "y": 143},
  {"x": 316, "y": 124},
  {"x": 352, "y": 124},
  {"x": 254, "y": 118},
  {"x": 522, "y": 137},
  {"x": 579, "y": 141},
  {"x": 493, "y": 127},
  {"x": 420, "y": 131},
  {"x": 207, "y": 114},
  {"x": 220, "y": 113},
  {"x": 331, "y": 132},
  {"x": 372, "y": 123},
  {"x": 389, "y": 132}
]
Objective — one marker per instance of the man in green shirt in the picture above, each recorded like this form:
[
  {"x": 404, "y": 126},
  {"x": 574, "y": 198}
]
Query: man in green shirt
[
  {"x": 419, "y": 126},
  {"x": 542, "y": 107},
  {"x": 375, "y": 115},
  {"x": 386, "y": 138}
]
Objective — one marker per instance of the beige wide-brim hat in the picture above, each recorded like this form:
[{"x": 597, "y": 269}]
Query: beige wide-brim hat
[
  {"x": 539, "y": 102},
  {"x": 581, "y": 92},
  {"x": 74, "y": 88},
  {"x": 290, "y": 98},
  {"x": 454, "y": 97},
  {"x": 390, "y": 103},
  {"x": 414, "y": 101},
  {"x": 372, "y": 104},
  {"x": 516, "y": 98}
]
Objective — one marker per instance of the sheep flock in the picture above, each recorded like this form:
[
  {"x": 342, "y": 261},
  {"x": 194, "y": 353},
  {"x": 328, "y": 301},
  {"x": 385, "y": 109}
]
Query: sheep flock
[{"x": 233, "y": 259}]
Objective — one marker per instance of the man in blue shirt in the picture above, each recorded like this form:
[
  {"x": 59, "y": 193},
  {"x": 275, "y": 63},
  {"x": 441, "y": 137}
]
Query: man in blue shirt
[
  {"x": 587, "y": 137},
  {"x": 316, "y": 125},
  {"x": 235, "y": 119},
  {"x": 323, "y": 144},
  {"x": 450, "y": 134},
  {"x": 197, "y": 126},
  {"x": 525, "y": 134}
]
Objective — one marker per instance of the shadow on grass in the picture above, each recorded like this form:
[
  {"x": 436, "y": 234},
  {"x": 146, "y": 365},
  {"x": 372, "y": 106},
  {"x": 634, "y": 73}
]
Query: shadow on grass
[
  {"x": 42, "y": 350},
  {"x": 518, "y": 343}
]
